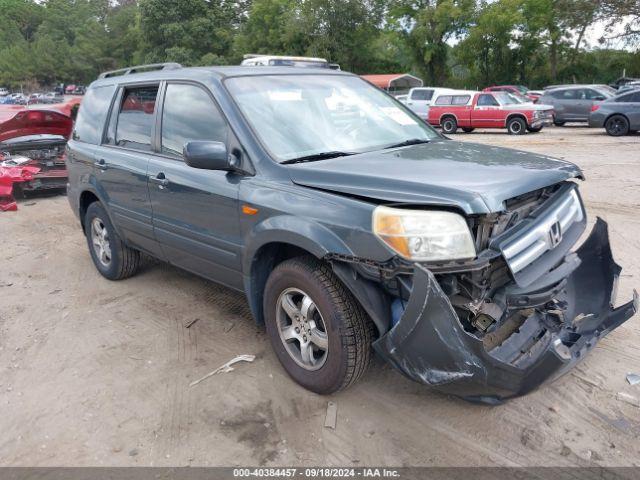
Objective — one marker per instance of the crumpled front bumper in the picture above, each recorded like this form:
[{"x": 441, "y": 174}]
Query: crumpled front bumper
[{"x": 429, "y": 344}]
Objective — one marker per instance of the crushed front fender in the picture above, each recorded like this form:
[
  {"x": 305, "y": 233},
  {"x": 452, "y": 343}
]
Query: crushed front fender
[{"x": 430, "y": 345}]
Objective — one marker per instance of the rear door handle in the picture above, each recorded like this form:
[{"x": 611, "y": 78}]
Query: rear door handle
[
  {"x": 101, "y": 164},
  {"x": 160, "y": 179}
]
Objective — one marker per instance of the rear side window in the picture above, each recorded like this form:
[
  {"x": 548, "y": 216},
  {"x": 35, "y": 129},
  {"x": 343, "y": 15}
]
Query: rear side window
[
  {"x": 444, "y": 100},
  {"x": 625, "y": 98},
  {"x": 593, "y": 94},
  {"x": 421, "y": 94},
  {"x": 188, "y": 114},
  {"x": 460, "y": 99},
  {"x": 135, "y": 117},
  {"x": 92, "y": 114},
  {"x": 565, "y": 94}
]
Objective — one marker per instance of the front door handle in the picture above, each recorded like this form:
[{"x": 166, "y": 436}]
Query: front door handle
[
  {"x": 101, "y": 164},
  {"x": 160, "y": 179}
]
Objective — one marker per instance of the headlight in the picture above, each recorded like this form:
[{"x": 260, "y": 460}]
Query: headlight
[{"x": 423, "y": 235}]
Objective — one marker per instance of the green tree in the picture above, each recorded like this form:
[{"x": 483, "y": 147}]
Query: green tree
[
  {"x": 425, "y": 27},
  {"x": 187, "y": 30}
]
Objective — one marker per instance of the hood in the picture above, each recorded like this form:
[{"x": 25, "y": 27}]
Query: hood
[{"x": 474, "y": 178}]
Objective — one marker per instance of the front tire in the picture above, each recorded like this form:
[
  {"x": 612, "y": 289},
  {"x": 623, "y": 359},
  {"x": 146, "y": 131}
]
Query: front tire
[
  {"x": 534, "y": 129},
  {"x": 113, "y": 259},
  {"x": 617, "y": 126},
  {"x": 449, "y": 125},
  {"x": 516, "y": 126},
  {"x": 467, "y": 129},
  {"x": 319, "y": 332}
]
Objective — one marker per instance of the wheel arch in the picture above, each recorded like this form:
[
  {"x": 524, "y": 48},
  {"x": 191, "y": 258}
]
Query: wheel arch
[
  {"x": 277, "y": 239},
  {"x": 518, "y": 115},
  {"x": 86, "y": 198},
  {"x": 616, "y": 114},
  {"x": 274, "y": 244},
  {"x": 448, "y": 114}
]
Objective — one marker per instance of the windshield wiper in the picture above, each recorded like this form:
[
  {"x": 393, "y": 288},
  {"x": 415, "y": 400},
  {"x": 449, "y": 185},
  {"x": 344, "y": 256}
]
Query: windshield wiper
[
  {"x": 317, "y": 156},
  {"x": 406, "y": 143}
]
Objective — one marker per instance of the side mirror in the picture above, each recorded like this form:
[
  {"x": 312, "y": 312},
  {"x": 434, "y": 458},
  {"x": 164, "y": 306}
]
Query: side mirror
[{"x": 209, "y": 156}]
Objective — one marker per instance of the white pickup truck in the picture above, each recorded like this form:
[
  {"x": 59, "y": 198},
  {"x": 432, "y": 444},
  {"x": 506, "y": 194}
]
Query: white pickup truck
[{"x": 419, "y": 99}]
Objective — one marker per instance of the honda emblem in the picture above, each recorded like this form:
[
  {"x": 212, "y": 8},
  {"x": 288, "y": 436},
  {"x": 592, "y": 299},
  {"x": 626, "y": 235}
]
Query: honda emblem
[{"x": 555, "y": 234}]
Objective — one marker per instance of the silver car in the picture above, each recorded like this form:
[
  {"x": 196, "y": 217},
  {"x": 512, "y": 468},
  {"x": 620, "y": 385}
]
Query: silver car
[
  {"x": 619, "y": 115},
  {"x": 573, "y": 104}
]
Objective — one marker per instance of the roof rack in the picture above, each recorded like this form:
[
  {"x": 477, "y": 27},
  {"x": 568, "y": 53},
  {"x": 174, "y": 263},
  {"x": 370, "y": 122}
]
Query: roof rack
[{"x": 140, "y": 68}]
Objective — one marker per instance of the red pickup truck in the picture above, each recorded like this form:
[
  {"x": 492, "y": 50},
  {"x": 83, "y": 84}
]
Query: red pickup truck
[{"x": 471, "y": 110}]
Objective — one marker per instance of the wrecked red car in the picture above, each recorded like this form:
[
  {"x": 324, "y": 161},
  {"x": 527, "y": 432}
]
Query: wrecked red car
[{"x": 32, "y": 146}]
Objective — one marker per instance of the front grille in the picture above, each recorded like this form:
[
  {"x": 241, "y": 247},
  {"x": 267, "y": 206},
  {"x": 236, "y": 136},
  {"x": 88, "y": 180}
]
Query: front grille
[{"x": 544, "y": 230}]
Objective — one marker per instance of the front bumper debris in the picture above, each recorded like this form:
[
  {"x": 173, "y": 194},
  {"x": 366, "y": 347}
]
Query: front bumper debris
[{"x": 429, "y": 344}]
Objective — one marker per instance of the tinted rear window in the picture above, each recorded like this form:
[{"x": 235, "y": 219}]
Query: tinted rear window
[
  {"x": 421, "y": 94},
  {"x": 135, "y": 118},
  {"x": 92, "y": 114}
]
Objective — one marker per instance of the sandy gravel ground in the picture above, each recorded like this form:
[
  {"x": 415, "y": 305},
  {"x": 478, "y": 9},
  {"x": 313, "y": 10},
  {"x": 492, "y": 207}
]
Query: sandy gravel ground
[{"x": 97, "y": 373}]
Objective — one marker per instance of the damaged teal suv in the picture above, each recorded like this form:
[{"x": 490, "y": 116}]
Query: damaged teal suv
[{"x": 350, "y": 224}]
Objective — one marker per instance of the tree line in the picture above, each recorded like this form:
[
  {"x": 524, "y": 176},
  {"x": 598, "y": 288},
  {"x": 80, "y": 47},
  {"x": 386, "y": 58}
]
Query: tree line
[{"x": 461, "y": 43}]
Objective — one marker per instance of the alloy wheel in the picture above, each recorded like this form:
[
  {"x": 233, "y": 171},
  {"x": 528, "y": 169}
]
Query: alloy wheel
[
  {"x": 302, "y": 329},
  {"x": 100, "y": 241}
]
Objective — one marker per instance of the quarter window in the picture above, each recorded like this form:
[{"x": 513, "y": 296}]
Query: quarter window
[
  {"x": 135, "y": 118},
  {"x": 625, "y": 98},
  {"x": 444, "y": 100},
  {"x": 92, "y": 115},
  {"x": 189, "y": 113},
  {"x": 592, "y": 94}
]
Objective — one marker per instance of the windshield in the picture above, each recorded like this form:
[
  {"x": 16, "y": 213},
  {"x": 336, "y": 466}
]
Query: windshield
[
  {"x": 607, "y": 89},
  {"x": 519, "y": 98},
  {"x": 522, "y": 89},
  {"x": 505, "y": 98},
  {"x": 303, "y": 115}
]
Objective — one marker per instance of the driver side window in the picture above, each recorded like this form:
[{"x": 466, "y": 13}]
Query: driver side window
[
  {"x": 189, "y": 113},
  {"x": 487, "y": 101}
]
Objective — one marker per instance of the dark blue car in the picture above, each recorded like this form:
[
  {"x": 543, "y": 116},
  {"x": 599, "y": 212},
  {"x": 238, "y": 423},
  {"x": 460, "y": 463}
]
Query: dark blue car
[{"x": 349, "y": 223}]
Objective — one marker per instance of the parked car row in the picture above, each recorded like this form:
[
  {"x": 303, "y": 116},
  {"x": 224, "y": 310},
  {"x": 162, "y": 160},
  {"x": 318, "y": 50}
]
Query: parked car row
[
  {"x": 573, "y": 103},
  {"x": 619, "y": 115},
  {"x": 32, "y": 99},
  {"x": 468, "y": 110},
  {"x": 75, "y": 89},
  {"x": 520, "y": 110}
]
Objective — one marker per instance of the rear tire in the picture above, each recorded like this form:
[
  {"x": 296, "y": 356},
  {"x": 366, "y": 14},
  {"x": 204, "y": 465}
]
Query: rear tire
[
  {"x": 517, "y": 126},
  {"x": 467, "y": 129},
  {"x": 332, "y": 319},
  {"x": 617, "y": 126},
  {"x": 113, "y": 259},
  {"x": 449, "y": 125},
  {"x": 558, "y": 124}
]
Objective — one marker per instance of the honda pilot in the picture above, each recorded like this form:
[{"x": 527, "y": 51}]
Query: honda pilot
[{"x": 349, "y": 223}]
